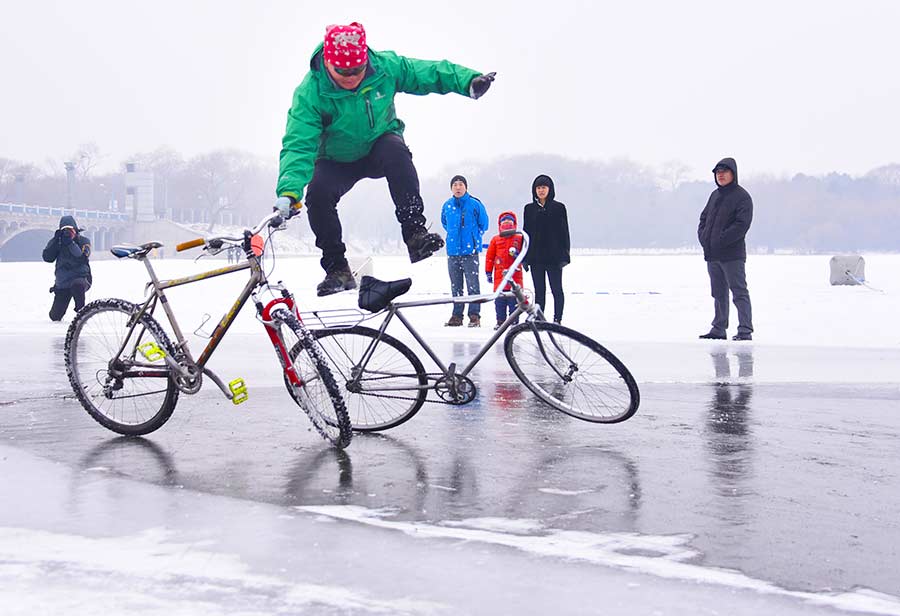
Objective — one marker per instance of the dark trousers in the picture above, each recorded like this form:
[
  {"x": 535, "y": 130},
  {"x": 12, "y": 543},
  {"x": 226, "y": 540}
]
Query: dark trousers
[
  {"x": 62, "y": 297},
  {"x": 389, "y": 158},
  {"x": 725, "y": 276},
  {"x": 505, "y": 306},
  {"x": 554, "y": 275},
  {"x": 459, "y": 267}
]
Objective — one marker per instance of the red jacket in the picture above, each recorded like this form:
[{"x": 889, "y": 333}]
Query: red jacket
[{"x": 501, "y": 253}]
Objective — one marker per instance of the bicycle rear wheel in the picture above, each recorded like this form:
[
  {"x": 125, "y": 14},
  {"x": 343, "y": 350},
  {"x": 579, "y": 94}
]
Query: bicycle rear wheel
[
  {"x": 571, "y": 372},
  {"x": 319, "y": 396},
  {"x": 128, "y": 392},
  {"x": 391, "y": 388}
]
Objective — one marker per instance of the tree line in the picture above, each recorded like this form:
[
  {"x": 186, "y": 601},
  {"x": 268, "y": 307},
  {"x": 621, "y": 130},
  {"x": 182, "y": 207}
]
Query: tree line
[{"x": 616, "y": 204}]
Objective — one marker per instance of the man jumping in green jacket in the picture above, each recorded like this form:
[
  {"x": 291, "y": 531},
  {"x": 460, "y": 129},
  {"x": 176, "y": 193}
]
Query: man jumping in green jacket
[{"x": 342, "y": 127}]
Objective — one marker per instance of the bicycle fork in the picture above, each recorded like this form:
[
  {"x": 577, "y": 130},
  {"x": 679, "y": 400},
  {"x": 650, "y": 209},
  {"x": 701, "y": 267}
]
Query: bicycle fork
[{"x": 285, "y": 302}]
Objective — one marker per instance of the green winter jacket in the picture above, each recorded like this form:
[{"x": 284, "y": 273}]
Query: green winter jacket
[{"x": 326, "y": 121}]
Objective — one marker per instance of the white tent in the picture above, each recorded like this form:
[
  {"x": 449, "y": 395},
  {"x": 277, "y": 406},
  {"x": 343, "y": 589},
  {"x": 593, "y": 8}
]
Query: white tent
[{"x": 848, "y": 269}]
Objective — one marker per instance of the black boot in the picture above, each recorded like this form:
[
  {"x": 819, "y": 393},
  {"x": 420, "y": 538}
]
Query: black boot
[
  {"x": 712, "y": 336},
  {"x": 336, "y": 281},
  {"x": 422, "y": 245}
]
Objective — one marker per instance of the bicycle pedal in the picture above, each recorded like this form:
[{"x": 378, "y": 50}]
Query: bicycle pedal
[
  {"x": 238, "y": 390},
  {"x": 151, "y": 351}
]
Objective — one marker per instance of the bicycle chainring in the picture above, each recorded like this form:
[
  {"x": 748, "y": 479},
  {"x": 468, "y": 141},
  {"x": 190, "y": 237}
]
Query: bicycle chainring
[
  {"x": 456, "y": 389},
  {"x": 192, "y": 383}
]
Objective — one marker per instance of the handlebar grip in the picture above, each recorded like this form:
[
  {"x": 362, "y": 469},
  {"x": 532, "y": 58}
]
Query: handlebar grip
[{"x": 190, "y": 244}]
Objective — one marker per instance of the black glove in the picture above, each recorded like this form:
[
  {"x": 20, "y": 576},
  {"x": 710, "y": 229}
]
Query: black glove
[
  {"x": 65, "y": 238},
  {"x": 490, "y": 277},
  {"x": 525, "y": 267},
  {"x": 480, "y": 85}
]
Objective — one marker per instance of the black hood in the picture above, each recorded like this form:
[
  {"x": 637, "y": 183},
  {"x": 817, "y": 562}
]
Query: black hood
[
  {"x": 727, "y": 162},
  {"x": 68, "y": 221},
  {"x": 543, "y": 180}
]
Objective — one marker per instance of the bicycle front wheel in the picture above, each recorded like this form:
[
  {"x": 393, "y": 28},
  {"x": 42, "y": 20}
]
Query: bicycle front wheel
[
  {"x": 124, "y": 388},
  {"x": 319, "y": 395},
  {"x": 388, "y": 390},
  {"x": 571, "y": 372}
]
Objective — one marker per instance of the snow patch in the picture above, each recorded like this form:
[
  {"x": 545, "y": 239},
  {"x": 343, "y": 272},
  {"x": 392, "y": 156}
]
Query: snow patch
[
  {"x": 44, "y": 572},
  {"x": 662, "y": 556}
]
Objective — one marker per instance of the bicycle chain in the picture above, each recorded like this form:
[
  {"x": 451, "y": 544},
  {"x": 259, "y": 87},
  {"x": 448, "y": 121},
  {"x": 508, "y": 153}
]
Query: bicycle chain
[{"x": 427, "y": 399}]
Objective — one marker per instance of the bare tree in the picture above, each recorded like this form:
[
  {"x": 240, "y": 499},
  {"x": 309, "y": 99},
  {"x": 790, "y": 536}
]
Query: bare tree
[
  {"x": 223, "y": 178},
  {"x": 673, "y": 173},
  {"x": 86, "y": 159}
]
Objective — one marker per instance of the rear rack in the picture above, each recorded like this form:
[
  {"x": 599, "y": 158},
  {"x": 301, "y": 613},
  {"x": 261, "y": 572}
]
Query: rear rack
[{"x": 341, "y": 318}]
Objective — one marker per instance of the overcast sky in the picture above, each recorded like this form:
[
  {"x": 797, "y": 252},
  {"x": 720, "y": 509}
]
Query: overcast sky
[{"x": 783, "y": 86}]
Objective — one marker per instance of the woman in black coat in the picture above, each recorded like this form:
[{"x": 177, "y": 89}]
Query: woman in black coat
[
  {"x": 546, "y": 223},
  {"x": 71, "y": 252}
]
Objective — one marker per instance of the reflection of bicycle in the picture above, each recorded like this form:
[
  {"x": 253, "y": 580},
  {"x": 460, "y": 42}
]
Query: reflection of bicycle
[
  {"x": 127, "y": 373},
  {"x": 386, "y": 383}
]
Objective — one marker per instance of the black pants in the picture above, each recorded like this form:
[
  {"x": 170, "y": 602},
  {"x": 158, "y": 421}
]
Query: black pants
[
  {"x": 389, "y": 158},
  {"x": 62, "y": 297},
  {"x": 554, "y": 275},
  {"x": 725, "y": 275}
]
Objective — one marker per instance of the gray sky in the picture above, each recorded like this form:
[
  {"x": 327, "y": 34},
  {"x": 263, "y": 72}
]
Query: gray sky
[{"x": 784, "y": 87}]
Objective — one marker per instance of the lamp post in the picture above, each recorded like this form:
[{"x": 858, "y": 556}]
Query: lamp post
[{"x": 70, "y": 182}]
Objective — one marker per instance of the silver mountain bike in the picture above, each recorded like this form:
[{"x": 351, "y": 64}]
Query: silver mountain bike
[{"x": 128, "y": 373}]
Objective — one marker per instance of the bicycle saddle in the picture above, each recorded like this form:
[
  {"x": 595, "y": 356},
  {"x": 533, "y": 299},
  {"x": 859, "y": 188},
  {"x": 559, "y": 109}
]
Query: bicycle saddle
[
  {"x": 130, "y": 250},
  {"x": 375, "y": 295}
]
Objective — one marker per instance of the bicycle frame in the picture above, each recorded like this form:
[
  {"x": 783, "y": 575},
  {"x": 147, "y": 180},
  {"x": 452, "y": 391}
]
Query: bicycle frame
[
  {"x": 394, "y": 310},
  {"x": 157, "y": 294}
]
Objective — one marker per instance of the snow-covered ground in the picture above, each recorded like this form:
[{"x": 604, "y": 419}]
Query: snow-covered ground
[{"x": 649, "y": 310}]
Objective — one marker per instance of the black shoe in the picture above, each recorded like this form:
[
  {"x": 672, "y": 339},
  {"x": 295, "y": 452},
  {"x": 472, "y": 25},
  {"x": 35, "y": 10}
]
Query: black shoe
[
  {"x": 336, "y": 281},
  {"x": 712, "y": 336},
  {"x": 743, "y": 337},
  {"x": 423, "y": 244}
]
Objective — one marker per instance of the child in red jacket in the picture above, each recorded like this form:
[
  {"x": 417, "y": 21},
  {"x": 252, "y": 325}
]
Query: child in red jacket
[{"x": 502, "y": 252}]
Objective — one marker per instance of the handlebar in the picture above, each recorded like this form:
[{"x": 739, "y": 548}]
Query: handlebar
[
  {"x": 190, "y": 244},
  {"x": 274, "y": 220}
]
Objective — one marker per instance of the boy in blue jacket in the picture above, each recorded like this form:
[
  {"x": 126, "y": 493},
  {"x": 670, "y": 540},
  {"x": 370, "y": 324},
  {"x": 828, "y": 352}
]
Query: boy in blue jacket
[{"x": 465, "y": 220}]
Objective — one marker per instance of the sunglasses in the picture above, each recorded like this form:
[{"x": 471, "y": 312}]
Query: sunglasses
[{"x": 350, "y": 72}]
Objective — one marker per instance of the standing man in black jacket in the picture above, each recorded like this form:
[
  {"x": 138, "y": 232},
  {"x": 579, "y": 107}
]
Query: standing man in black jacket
[
  {"x": 724, "y": 223},
  {"x": 71, "y": 251},
  {"x": 547, "y": 224}
]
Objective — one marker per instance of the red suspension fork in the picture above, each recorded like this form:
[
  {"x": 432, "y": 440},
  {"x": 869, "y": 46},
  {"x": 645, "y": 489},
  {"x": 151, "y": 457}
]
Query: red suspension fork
[{"x": 278, "y": 341}]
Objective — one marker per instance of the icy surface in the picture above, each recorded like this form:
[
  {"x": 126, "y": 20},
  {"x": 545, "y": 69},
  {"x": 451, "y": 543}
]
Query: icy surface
[{"x": 758, "y": 478}]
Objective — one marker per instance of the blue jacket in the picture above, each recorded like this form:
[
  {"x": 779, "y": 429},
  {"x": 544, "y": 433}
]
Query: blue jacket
[{"x": 465, "y": 220}]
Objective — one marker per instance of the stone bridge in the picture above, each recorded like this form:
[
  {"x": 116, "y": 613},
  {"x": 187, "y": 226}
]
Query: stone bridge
[
  {"x": 103, "y": 228},
  {"x": 25, "y": 229}
]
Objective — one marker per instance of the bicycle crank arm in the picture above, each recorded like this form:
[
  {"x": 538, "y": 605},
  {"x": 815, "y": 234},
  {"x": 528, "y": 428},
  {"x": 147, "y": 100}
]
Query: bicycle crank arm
[{"x": 215, "y": 379}]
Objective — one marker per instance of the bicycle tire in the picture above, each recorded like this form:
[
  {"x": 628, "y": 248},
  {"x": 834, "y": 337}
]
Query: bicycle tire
[
  {"x": 613, "y": 398},
  {"x": 373, "y": 412},
  {"x": 320, "y": 395},
  {"x": 131, "y": 406}
]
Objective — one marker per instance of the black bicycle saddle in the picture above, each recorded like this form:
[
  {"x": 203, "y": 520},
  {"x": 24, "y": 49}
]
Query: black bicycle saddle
[{"x": 375, "y": 295}]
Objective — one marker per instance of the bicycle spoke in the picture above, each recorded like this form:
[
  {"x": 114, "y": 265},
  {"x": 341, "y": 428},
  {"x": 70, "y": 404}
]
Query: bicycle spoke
[
  {"x": 128, "y": 404},
  {"x": 572, "y": 373}
]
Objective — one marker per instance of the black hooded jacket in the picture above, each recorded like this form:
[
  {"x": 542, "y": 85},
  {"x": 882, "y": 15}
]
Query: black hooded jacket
[
  {"x": 725, "y": 220},
  {"x": 71, "y": 256},
  {"x": 548, "y": 228}
]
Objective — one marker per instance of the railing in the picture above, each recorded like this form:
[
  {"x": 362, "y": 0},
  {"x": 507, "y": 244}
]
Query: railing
[{"x": 41, "y": 210}]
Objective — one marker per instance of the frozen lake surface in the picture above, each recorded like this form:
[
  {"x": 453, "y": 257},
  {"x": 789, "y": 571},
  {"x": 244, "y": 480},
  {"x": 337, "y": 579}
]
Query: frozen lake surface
[{"x": 755, "y": 477}]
